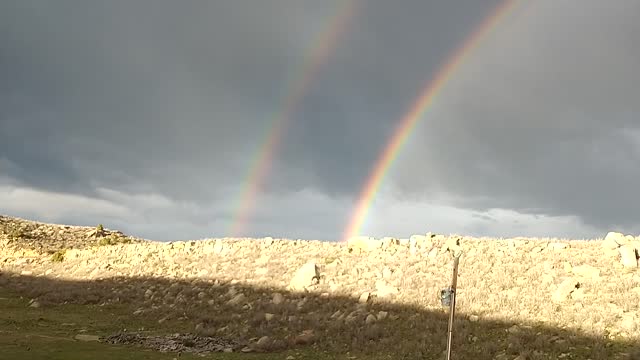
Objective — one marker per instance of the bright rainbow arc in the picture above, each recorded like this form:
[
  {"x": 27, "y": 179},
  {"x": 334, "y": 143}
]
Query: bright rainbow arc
[
  {"x": 409, "y": 121},
  {"x": 316, "y": 56}
]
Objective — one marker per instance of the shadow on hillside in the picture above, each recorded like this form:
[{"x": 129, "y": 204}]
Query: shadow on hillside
[{"x": 339, "y": 323}]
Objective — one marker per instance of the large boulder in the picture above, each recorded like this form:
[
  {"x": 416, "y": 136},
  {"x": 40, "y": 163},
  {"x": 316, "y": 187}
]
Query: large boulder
[
  {"x": 628, "y": 256},
  {"x": 564, "y": 290},
  {"x": 613, "y": 240},
  {"x": 421, "y": 241},
  {"x": 364, "y": 243},
  {"x": 452, "y": 244},
  {"x": 304, "y": 277}
]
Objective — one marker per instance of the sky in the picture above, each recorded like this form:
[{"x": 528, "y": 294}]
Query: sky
[{"x": 147, "y": 115}]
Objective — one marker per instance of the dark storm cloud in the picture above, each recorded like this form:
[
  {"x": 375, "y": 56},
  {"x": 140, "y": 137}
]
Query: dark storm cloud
[
  {"x": 145, "y": 96},
  {"x": 158, "y": 107},
  {"x": 542, "y": 119},
  {"x": 161, "y": 97},
  {"x": 349, "y": 113}
]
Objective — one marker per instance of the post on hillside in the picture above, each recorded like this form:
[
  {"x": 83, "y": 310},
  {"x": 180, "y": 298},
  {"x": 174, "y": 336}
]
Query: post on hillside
[{"x": 448, "y": 298}]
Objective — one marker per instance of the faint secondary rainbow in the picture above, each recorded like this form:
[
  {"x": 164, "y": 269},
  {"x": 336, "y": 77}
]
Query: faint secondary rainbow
[
  {"x": 416, "y": 111},
  {"x": 317, "y": 54}
]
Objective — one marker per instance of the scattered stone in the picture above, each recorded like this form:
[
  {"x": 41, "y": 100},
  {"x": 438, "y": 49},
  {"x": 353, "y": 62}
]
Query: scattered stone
[
  {"x": 237, "y": 299},
  {"x": 389, "y": 243},
  {"x": 628, "y": 256},
  {"x": 565, "y": 289},
  {"x": 208, "y": 248},
  {"x": 413, "y": 241},
  {"x": 537, "y": 249},
  {"x": 305, "y": 338},
  {"x": 384, "y": 290},
  {"x": 301, "y": 304},
  {"x": 613, "y": 240},
  {"x": 558, "y": 246},
  {"x": 421, "y": 241},
  {"x": 386, "y": 273},
  {"x": 268, "y": 241},
  {"x": 277, "y": 299},
  {"x": 85, "y": 337},
  {"x": 364, "y": 298},
  {"x": 452, "y": 244},
  {"x": 370, "y": 319},
  {"x": 218, "y": 247},
  {"x": 567, "y": 267},
  {"x": 368, "y": 275},
  {"x": 176, "y": 343},
  {"x": 364, "y": 243},
  {"x": 304, "y": 277},
  {"x": 578, "y": 294},
  {"x": 264, "y": 342}
]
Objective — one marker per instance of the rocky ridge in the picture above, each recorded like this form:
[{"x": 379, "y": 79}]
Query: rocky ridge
[{"x": 592, "y": 287}]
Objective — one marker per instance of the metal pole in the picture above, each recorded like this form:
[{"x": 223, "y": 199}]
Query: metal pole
[{"x": 452, "y": 305}]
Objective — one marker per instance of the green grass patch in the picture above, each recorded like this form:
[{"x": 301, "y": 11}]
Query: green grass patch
[
  {"x": 113, "y": 240},
  {"x": 48, "y": 333},
  {"x": 58, "y": 256}
]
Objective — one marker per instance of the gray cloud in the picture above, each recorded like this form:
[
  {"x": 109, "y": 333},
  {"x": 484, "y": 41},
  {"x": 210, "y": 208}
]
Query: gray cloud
[
  {"x": 156, "y": 109},
  {"x": 127, "y": 94},
  {"x": 540, "y": 119}
]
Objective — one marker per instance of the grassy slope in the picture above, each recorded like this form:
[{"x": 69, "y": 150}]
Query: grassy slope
[{"x": 47, "y": 333}]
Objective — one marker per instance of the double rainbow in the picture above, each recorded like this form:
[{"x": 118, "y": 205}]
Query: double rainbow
[
  {"x": 415, "y": 113},
  {"x": 315, "y": 57}
]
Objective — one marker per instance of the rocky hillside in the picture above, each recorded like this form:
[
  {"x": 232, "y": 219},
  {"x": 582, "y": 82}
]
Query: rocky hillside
[{"x": 517, "y": 298}]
